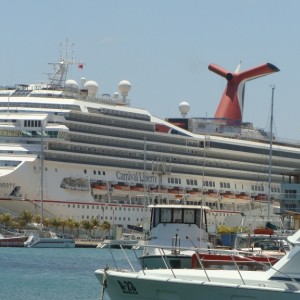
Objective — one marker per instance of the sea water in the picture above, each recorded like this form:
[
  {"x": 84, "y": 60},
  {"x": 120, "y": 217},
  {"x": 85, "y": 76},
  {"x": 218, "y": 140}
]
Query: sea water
[{"x": 50, "y": 274}]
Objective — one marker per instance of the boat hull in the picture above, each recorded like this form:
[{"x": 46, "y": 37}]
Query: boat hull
[
  {"x": 13, "y": 241},
  {"x": 44, "y": 242},
  {"x": 53, "y": 244},
  {"x": 126, "y": 285}
]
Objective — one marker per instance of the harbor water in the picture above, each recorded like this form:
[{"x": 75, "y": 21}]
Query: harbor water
[{"x": 50, "y": 274}]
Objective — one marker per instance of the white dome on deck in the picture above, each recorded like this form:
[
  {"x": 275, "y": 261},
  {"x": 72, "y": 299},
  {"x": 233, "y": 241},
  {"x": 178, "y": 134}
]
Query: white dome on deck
[
  {"x": 124, "y": 88},
  {"x": 71, "y": 83},
  {"x": 184, "y": 108},
  {"x": 92, "y": 87}
]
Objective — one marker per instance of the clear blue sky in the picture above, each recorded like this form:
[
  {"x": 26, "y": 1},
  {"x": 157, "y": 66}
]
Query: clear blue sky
[{"x": 163, "y": 47}]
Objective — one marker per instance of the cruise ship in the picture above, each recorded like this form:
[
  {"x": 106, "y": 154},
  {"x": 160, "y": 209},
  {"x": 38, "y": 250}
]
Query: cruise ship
[{"x": 73, "y": 153}]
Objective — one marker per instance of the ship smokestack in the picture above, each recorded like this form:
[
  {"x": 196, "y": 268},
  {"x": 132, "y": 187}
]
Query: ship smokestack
[{"x": 232, "y": 102}]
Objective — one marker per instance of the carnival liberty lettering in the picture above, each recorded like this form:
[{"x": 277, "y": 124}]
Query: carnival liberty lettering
[{"x": 136, "y": 177}]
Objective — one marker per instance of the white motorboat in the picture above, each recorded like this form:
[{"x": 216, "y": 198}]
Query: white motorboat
[
  {"x": 281, "y": 282},
  {"x": 176, "y": 234},
  {"x": 49, "y": 239},
  {"x": 127, "y": 241},
  {"x": 177, "y": 228}
]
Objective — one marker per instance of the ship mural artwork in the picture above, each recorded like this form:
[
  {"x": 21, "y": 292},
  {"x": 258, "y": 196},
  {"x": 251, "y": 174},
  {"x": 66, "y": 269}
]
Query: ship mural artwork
[{"x": 104, "y": 159}]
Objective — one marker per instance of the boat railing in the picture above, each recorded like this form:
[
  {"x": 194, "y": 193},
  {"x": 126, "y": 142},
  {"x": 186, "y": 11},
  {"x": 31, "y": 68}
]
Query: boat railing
[{"x": 235, "y": 257}]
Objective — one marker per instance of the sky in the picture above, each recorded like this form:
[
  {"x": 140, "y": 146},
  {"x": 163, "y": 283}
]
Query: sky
[{"x": 163, "y": 48}]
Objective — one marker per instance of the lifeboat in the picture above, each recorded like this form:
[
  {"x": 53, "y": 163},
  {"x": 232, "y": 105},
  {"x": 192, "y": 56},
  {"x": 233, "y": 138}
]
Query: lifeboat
[
  {"x": 175, "y": 190},
  {"x": 242, "y": 195},
  {"x": 212, "y": 193},
  {"x": 194, "y": 191},
  {"x": 99, "y": 186},
  {"x": 153, "y": 189},
  {"x": 137, "y": 188},
  {"x": 228, "y": 194},
  {"x": 121, "y": 187},
  {"x": 261, "y": 197}
]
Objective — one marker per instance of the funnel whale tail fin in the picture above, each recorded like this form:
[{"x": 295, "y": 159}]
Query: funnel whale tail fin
[{"x": 232, "y": 101}]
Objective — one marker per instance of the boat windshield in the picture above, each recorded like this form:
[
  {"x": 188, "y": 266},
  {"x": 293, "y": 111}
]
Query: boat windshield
[{"x": 175, "y": 215}]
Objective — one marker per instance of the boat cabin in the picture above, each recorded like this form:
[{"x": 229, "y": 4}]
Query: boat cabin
[{"x": 178, "y": 214}]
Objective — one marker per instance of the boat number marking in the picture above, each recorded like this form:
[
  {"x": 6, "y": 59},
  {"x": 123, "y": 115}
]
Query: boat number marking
[
  {"x": 128, "y": 287},
  {"x": 7, "y": 185}
]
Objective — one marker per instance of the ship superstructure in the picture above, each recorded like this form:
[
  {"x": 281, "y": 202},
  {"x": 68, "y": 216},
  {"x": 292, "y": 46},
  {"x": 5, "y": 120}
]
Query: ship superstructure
[{"x": 83, "y": 155}]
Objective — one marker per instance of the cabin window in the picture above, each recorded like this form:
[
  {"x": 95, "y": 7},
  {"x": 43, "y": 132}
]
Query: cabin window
[
  {"x": 177, "y": 215},
  {"x": 166, "y": 215},
  {"x": 189, "y": 216}
]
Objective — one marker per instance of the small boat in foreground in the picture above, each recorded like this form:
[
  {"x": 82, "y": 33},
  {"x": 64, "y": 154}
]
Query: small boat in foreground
[{"x": 281, "y": 282}]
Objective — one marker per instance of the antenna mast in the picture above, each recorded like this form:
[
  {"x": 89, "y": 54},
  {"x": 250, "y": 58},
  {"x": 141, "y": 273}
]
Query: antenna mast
[
  {"x": 57, "y": 80},
  {"x": 270, "y": 156}
]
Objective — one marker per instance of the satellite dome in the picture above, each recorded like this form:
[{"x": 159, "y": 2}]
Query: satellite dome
[
  {"x": 124, "y": 88},
  {"x": 184, "y": 108},
  {"x": 82, "y": 81},
  {"x": 92, "y": 88},
  {"x": 70, "y": 83},
  {"x": 116, "y": 95}
]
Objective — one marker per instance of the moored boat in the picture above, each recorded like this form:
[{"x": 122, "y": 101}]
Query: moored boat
[
  {"x": 12, "y": 241},
  {"x": 281, "y": 282},
  {"x": 48, "y": 239},
  {"x": 127, "y": 241},
  {"x": 178, "y": 238}
]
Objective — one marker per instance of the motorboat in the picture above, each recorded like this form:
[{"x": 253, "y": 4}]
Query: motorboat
[
  {"x": 49, "y": 239},
  {"x": 127, "y": 241},
  {"x": 281, "y": 282},
  {"x": 12, "y": 240},
  {"x": 177, "y": 238}
]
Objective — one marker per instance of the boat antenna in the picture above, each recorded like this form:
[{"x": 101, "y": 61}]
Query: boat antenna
[
  {"x": 42, "y": 173},
  {"x": 270, "y": 155},
  {"x": 146, "y": 197},
  {"x": 202, "y": 193},
  {"x": 58, "y": 78}
]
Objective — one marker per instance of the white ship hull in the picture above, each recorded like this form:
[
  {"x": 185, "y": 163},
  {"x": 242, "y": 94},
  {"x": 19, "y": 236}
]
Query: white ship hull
[{"x": 119, "y": 206}]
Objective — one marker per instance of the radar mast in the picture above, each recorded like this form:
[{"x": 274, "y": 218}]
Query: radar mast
[{"x": 58, "y": 78}]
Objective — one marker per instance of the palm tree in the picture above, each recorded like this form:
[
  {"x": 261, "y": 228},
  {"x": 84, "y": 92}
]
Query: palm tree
[
  {"x": 70, "y": 224},
  {"x": 46, "y": 222},
  {"x": 77, "y": 226},
  {"x": 88, "y": 226},
  {"x": 63, "y": 223},
  {"x": 105, "y": 226},
  {"x": 37, "y": 219},
  {"x": 6, "y": 219},
  {"x": 56, "y": 222},
  {"x": 26, "y": 216},
  {"x": 95, "y": 224}
]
